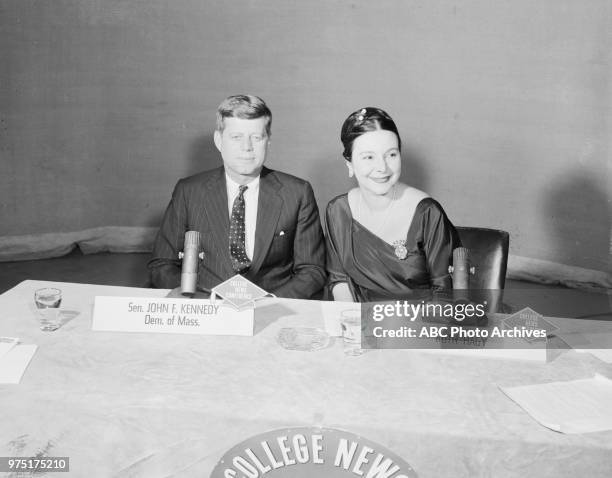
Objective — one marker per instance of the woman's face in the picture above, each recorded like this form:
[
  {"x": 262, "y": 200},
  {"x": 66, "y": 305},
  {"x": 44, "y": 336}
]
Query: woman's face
[{"x": 376, "y": 161}]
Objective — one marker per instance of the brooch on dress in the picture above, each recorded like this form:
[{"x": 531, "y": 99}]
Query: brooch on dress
[{"x": 400, "y": 249}]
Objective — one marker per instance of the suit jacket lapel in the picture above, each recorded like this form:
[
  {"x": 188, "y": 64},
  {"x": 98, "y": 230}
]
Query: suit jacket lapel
[
  {"x": 268, "y": 211},
  {"x": 218, "y": 216}
]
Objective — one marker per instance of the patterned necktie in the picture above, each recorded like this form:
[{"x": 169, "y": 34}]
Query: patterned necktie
[{"x": 240, "y": 261}]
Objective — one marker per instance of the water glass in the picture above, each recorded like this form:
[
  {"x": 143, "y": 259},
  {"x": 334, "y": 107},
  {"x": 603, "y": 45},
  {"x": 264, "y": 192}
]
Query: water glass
[
  {"x": 47, "y": 302},
  {"x": 351, "y": 332}
]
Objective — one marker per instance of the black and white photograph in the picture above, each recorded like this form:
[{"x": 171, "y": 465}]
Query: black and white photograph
[{"x": 317, "y": 238}]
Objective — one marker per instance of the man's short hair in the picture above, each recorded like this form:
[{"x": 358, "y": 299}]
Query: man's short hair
[{"x": 243, "y": 107}]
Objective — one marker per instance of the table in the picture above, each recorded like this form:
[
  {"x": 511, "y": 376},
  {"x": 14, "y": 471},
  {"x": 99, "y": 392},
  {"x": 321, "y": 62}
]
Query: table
[{"x": 127, "y": 404}]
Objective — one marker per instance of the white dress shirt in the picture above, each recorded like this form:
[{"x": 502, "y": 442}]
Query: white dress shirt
[{"x": 251, "y": 198}]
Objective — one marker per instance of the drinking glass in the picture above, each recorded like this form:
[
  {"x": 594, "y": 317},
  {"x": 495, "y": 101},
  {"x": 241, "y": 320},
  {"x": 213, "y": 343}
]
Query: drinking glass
[
  {"x": 47, "y": 302},
  {"x": 351, "y": 332}
]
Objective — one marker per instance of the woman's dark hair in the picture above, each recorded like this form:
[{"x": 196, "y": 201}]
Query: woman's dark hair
[{"x": 363, "y": 121}]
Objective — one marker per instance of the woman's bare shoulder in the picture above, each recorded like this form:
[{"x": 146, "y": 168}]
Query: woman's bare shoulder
[{"x": 353, "y": 198}]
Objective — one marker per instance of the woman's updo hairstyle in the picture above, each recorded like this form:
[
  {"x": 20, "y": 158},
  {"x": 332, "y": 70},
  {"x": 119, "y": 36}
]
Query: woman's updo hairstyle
[{"x": 363, "y": 121}]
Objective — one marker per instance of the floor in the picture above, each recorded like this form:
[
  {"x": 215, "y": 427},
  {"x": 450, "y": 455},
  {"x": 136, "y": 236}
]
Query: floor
[{"x": 131, "y": 270}]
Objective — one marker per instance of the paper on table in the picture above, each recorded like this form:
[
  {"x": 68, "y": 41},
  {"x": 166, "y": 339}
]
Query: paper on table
[
  {"x": 332, "y": 314},
  {"x": 6, "y": 344},
  {"x": 598, "y": 343},
  {"x": 14, "y": 363},
  {"x": 578, "y": 406},
  {"x": 605, "y": 355},
  {"x": 531, "y": 355},
  {"x": 590, "y": 336}
]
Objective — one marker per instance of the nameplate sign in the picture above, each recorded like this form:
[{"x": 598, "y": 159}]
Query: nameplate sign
[
  {"x": 239, "y": 292},
  {"x": 170, "y": 316}
]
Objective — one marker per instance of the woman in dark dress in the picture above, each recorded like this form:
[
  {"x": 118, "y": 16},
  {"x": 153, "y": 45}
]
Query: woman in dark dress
[{"x": 385, "y": 240}]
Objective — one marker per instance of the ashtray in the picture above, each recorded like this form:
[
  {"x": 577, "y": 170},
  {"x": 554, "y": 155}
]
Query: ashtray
[{"x": 303, "y": 338}]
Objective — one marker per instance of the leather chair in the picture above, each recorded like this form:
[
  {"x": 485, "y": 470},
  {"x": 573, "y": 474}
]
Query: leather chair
[{"x": 489, "y": 256}]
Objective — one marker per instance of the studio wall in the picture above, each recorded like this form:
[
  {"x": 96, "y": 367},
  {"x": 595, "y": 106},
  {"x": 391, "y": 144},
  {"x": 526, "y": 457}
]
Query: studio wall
[{"x": 505, "y": 108}]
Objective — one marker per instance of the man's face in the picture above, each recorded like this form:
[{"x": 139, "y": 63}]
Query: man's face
[{"x": 243, "y": 145}]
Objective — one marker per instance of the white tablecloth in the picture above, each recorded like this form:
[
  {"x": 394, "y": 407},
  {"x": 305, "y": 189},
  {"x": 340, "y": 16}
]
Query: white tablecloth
[{"x": 127, "y": 404}]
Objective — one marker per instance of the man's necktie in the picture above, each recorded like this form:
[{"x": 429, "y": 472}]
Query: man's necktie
[{"x": 240, "y": 261}]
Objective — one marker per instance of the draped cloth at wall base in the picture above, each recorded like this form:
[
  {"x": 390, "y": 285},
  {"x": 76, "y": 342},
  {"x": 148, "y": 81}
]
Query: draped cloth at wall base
[{"x": 90, "y": 241}]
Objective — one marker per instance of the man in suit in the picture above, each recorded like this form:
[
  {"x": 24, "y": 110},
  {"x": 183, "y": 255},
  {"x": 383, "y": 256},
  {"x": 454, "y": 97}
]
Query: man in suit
[{"x": 253, "y": 221}]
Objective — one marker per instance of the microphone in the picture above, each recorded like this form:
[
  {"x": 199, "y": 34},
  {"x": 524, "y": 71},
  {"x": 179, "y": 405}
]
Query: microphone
[
  {"x": 190, "y": 255},
  {"x": 461, "y": 274},
  {"x": 461, "y": 271},
  {"x": 461, "y": 268}
]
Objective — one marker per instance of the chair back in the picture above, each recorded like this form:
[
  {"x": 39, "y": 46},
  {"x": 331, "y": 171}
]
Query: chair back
[{"x": 489, "y": 256}]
